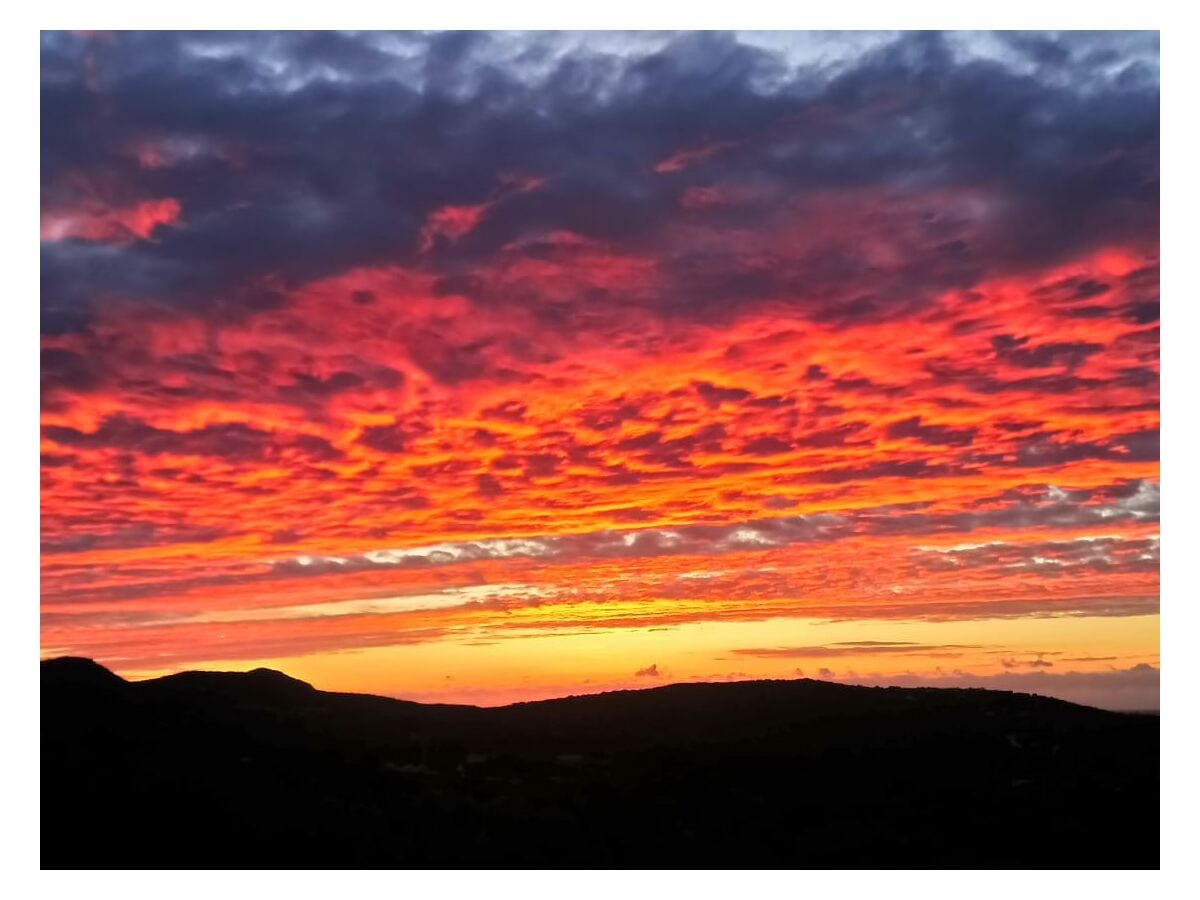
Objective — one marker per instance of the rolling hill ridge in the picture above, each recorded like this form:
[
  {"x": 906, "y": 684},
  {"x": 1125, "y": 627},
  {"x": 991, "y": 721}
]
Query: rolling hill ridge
[{"x": 257, "y": 769}]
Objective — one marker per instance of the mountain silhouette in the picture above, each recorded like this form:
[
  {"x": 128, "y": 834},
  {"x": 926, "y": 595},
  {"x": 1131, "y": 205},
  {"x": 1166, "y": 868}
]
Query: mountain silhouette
[{"x": 260, "y": 770}]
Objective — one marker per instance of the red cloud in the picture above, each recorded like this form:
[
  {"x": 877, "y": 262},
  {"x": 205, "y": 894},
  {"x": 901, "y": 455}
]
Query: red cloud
[
  {"x": 451, "y": 223},
  {"x": 690, "y": 156},
  {"x": 105, "y": 224}
]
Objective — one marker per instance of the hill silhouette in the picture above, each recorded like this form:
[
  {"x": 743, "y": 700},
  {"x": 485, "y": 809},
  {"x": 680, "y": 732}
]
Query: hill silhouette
[{"x": 257, "y": 769}]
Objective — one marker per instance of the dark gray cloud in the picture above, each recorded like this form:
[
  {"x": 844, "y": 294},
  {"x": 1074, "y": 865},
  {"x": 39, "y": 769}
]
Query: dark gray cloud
[
  {"x": 1049, "y": 558},
  {"x": 1064, "y": 354},
  {"x": 1051, "y": 508},
  {"x": 1045, "y": 507},
  {"x": 127, "y": 535},
  {"x": 232, "y": 440},
  {"x": 298, "y": 155},
  {"x": 931, "y": 434}
]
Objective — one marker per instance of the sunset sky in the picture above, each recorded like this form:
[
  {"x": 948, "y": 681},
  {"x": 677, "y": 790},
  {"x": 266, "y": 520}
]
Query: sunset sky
[{"x": 480, "y": 367}]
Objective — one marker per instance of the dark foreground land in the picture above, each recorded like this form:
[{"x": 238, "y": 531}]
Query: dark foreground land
[{"x": 205, "y": 769}]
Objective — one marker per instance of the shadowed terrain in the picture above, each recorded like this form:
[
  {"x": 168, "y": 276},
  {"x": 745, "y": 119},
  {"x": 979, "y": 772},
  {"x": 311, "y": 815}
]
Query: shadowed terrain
[{"x": 256, "y": 769}]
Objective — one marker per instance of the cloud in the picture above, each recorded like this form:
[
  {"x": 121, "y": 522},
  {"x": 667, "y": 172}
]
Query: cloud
[
  {"x": 1049, "y": 558},
  {"x": 930, "y": 434},
  {"x": 384, "y": 438},
  {"x": 129, "y": 535},
  {"x": 1036, "y": 663},
  {"x": 648, "y": 672},
  {"x": 1133, "y": 688},
  {"x": 631, "y": 544},
  {"x": 438, "y": 125},
  {"x": 108, "y": 225},
  {"x": 232, "y": 440},
  {"x": 434, "y": 310},
  {"x": 1018, "y": 352},
  {"x": 855, "y": 648},
  {"x": 715, "y": 396}
]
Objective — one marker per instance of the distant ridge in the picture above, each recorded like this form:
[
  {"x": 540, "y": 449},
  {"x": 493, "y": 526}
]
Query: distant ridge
[
  {"x": 272, "y": 681},
  {"x": 258, "y": 769}
]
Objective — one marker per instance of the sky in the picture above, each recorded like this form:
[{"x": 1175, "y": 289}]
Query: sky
[{"x": 484, "y": 367}]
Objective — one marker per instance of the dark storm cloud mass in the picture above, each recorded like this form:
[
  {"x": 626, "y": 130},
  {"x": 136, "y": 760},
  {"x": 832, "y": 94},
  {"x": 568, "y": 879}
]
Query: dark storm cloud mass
[{"x": 293, "y": 156}]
